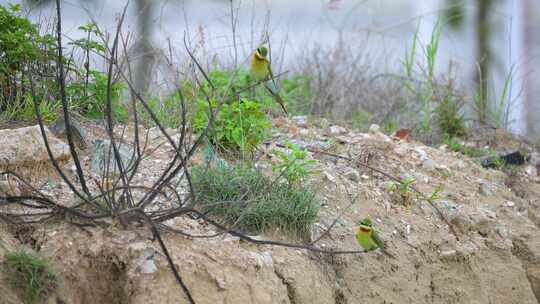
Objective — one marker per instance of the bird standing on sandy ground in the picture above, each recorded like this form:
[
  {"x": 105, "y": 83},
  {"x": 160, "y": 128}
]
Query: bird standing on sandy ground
[
  {"x": 261, "y": 70},
  {"x": 367, "y": 237}
]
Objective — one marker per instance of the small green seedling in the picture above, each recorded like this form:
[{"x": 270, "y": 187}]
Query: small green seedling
[
  {"x": 404, "y": 190},
  {"x": 294, "y": 165}
]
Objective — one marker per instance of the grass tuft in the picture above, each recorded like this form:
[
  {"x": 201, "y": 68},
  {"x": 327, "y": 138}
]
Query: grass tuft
[
  {"x": 244, "y": 198},
  {"x": 31, "y": 274}
]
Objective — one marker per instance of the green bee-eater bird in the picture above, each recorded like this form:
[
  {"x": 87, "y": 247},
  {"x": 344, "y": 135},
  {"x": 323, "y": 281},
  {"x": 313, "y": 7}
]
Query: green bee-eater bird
[
  {"x": 367, "y": 237},
  {"x": 262, "y": 71}
]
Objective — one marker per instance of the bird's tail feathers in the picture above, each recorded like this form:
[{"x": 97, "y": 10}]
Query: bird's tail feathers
[{"x": 276, "y": 97}]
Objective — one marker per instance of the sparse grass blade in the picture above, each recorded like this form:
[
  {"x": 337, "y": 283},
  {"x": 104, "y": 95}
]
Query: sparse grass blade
[{"x": 31, "y": 274}]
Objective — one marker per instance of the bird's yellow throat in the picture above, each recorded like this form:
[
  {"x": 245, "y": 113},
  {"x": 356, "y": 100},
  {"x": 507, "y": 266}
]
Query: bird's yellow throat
[{"x": 366, "y": 229}]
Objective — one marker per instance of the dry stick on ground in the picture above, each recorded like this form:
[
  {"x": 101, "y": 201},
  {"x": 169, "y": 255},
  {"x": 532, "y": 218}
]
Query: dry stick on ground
[
  {"x": 394, "y": 178},
  {"x": 62, "y": 85},
  {"x": 110, "y": 122},
  {"x": 54, "y": 162}
]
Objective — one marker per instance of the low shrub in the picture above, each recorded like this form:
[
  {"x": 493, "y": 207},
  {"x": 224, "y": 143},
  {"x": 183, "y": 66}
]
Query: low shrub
[{"x": 243, "y": 197}]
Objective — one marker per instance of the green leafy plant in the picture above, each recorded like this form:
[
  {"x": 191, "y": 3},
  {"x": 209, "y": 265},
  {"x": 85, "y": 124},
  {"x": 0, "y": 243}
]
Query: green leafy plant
[
  {"x": 496, "y": 160},
  {"x": 293, "y": 165},
  {"x": 21, "y": 47},
  {"x": 457, "y": 145},
  {"x": 240, "y": 124},
  {"x": 31, "y": 274},
  {"x": 90, "y": 99},
  {"x": 431, "y": 101},
  {"x": 243, "y": 197},
  {"x": 449, "y": 117},
  {"x": 403, "y": 190},
  {"x": 89, "y": 44},
  {"x": 501, "y": 112},
  {"x": 389, "y": 126},
  {"x": 434, "y": 196}
]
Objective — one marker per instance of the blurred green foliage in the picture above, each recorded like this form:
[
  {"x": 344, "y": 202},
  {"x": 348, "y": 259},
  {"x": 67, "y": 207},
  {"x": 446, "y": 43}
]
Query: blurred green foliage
[{"x": 23, "y": 50}]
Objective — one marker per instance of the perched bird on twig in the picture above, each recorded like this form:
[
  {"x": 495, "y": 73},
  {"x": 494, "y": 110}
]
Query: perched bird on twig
[
  {"x": 262, "y": 72},
  {"x": 367, "y": 237}
]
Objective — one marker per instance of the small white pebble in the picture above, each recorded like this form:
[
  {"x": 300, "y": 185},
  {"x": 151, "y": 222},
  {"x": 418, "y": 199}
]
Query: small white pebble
[{"x": 509, "y": 204}]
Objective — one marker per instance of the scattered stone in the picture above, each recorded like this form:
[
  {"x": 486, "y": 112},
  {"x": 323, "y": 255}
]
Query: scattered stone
[
  {"x": 462, "y": 222},
  {"x": 483, "y": 220},
  {"x": 509, "y": 204},
  {"x": 301, "y": 121},
  {"x": 449, "y": 209},
  {"x": 531, "y": 171},
  {"x": 460, "y": 164},
  {"x": 304, "y": 132},
  {"x": 352, "y": 175},
  {"x": 374, "y": 128},
  {"x": 58, "y": 128},
  {"x": 535, "y": 159},
  {"x": 401, "y": 150},
  {"x": 329, "y": 177},
  {"x": 7, "y": 188},
  {"x": 485, "y": 189},
  {"x": 422, "y": 153},
  {"x": 429, "y": 165},
  {"x": 292, "y": 129},
  {"x": 336, "y": 130},
  {"x": 501, "y": 230},
  {"x": 147, "y": 264},
  {"x": 24, "y": 146},
  {"x": 448, "y": 254},
  {"x": 533, "y": 213},
  {"x": 533, "y": 275},
  {"x": 311, "y": 144},
  {"x": 103, "y": 157}
]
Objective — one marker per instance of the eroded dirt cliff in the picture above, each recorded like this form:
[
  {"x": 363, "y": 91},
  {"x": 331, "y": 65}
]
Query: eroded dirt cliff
[{"x": 495, "y": 257}]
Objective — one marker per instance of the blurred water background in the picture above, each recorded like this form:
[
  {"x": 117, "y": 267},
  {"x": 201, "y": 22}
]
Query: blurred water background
[{"x": 380, "y": 30}]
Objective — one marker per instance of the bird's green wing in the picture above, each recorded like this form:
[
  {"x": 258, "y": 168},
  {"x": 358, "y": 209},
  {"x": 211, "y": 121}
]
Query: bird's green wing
[
  {"x": 380, "y": 243},
  {"x": 377, "y": 240}
]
